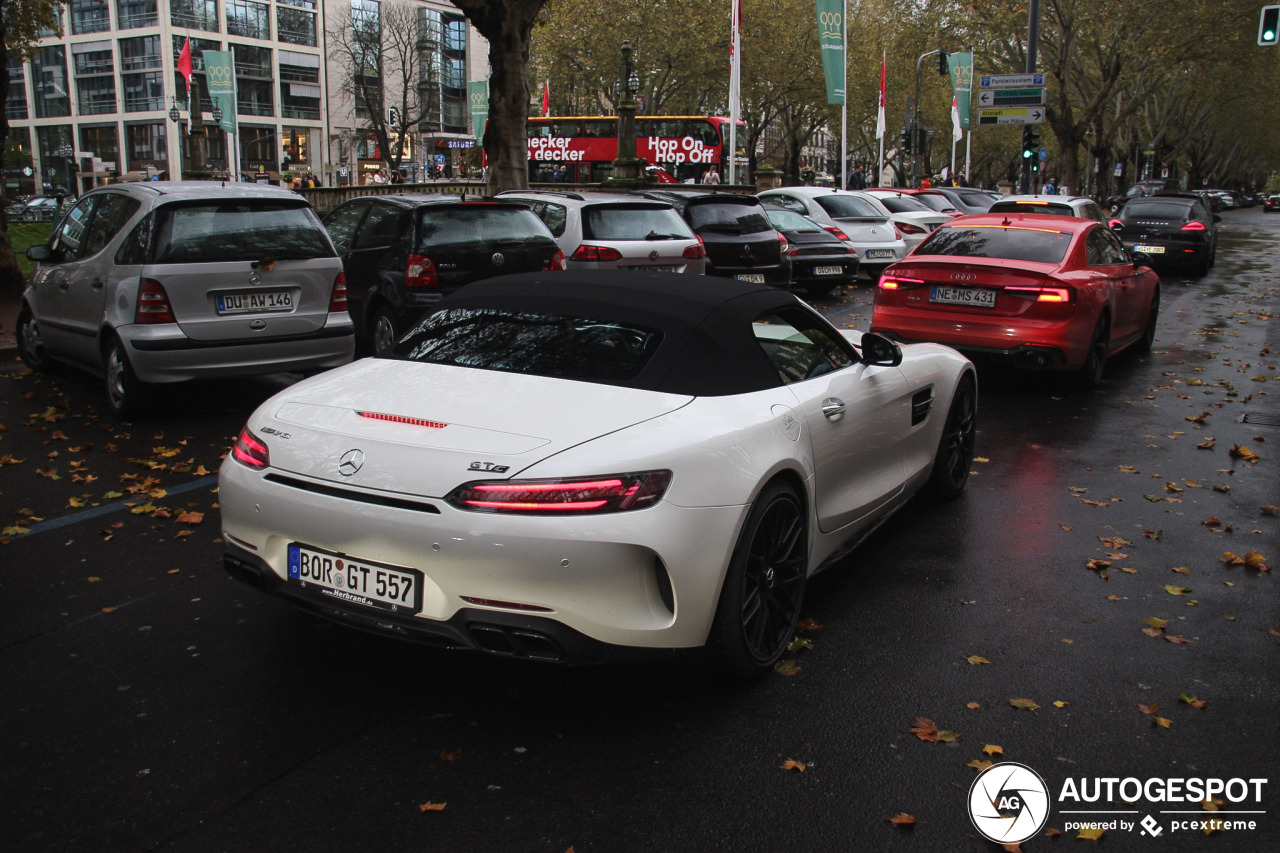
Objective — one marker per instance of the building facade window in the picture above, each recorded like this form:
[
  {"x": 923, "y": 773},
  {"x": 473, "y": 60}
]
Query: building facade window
[
  {"x": 254, "y": 81},
  {"x": 295, "y": 26},
  {"x": 90, "y": 16},
  {"x": 94, "y": 68},
  {"x": 102, "y": 140},
  {"x": 366, "y": 23},
  {"x": 15, "y": 102},
  {"x": 49, "y": 72},
  {"x": 54, "y": 172},
  {"x": 249, "y": 19},
  {"x": 132, "y": 14},
  {"x": 146, "y": 144},
  {"x": 442, "y": 87},
  {"x": 194, "y": 14},
  {"x": 299, "y": 85}
]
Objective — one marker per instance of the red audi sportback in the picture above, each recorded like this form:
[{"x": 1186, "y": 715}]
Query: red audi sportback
[{"x": 1044, "y": 292}]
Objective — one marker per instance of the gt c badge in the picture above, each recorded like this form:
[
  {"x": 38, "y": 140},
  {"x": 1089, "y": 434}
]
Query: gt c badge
[
  {"x": 349, "y": 463},
  {"x": 489, "y": 466}
]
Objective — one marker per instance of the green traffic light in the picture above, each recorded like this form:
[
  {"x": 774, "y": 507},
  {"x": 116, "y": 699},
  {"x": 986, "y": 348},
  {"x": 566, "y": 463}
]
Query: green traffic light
[{"x": 1268, "y": 35}]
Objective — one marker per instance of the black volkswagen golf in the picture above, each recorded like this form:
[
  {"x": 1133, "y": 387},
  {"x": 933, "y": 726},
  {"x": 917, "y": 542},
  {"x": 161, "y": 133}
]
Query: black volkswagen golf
[
  {"x": 401, "y": 254},
  {"x": 1175, "y": 230}
]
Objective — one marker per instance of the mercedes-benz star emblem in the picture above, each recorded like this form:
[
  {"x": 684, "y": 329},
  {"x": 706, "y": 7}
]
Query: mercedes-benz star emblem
[
  {"x": 497, "y": 259},
  {"x": 653, "y": 256},
  {"x": 350, "y": 462}
]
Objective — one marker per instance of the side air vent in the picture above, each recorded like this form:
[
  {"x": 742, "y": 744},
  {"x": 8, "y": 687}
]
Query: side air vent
[{"x": 921, "y": 405}]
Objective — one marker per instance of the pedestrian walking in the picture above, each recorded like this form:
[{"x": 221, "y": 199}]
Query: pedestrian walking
[
  {"x": 711, "y": 176},
  {"x": 858, "y": 180}
]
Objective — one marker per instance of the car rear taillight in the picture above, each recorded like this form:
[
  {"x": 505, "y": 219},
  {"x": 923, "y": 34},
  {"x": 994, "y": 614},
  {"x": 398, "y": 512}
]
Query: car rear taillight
[
  {"x": 587, "y": 252},
  {"x": 783, "y": 246},
  {"x": 153, "y": 303},
  {"x": 1043, "y": 294},
  {"x": 614, "y": 493},
  {"x": 1115, "y": 223},
  {"x": 695, "y": 253},
  {"x": 897, "y": 282},
  {"x": 908, "y": 228},
  {"x": 840, "y": 235},
  {"x": 1194, "y": 226},
  {"x": 557, "y": 262},
  {"x": 249, "y": 451},
  {"x": 897, "y": 232},
  {"x": 419, "y": 271},
  {"x": 338, "y": 296}
]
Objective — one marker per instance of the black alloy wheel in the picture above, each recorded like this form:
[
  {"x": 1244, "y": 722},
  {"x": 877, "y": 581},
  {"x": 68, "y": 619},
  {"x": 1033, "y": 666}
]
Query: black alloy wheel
[
  {"x": 1090, "y": 373},
  {"x": 1148, "y": 338},
  {"x": 955, "y": 447},
  {"x": 764, "y": 588}
]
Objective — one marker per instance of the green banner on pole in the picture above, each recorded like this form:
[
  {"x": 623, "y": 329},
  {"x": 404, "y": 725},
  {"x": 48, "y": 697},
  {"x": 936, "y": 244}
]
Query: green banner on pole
[
  {"x": 219, "y": 72},
  {"x": 831, "y": 47},
  {"x": 478, "y": 93},
  {"x": 961, "y": 65}
]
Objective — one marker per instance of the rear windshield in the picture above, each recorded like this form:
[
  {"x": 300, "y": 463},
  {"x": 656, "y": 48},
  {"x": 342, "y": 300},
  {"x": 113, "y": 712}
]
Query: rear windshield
[
  {"x": 903, "y": 204},
  {"x": 1032, "y": 207},
  {"x": 939, "y": 203},
  {"x": 847, "y": 207},
  {"x": 1016, "y": 244},
  {"x": 789, "y": 220},
  {"x": 633, "y": 222},
  {"x": 550, "y": 345},
  {"x": 239, "y": 230},
  {"x": 1156, "y": 210},
  {"x": 729, "y": 217},
  {"x": 478, "y": 223}
]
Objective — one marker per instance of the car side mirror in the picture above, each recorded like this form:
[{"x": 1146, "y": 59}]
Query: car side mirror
[
  {"x": 880, "y": 351},
  {"x": 39, "y": 253},
  {"x": 1141, "y": 259}
]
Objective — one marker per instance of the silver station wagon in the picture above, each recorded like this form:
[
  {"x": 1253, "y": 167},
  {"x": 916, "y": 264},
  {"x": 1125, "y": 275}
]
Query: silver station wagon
[{"x": 150, "y": 283}]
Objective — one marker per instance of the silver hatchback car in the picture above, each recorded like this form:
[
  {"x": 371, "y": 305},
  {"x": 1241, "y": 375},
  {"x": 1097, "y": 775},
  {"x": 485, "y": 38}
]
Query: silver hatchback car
[
  {"x": 149, "y": 283},
  {"x": 602, "y": 230}
]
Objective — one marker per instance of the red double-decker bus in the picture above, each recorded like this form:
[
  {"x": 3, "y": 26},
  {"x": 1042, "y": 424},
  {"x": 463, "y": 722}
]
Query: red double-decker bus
[{"x": 586, "y": 146}]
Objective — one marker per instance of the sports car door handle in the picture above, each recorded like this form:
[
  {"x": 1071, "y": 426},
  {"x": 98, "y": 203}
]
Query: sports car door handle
[{"x": 833, "y": 409}]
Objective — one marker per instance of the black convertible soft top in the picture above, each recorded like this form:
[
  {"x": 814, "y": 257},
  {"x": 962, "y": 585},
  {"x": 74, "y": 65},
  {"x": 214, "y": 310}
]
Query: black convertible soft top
[{"x": 707, "y": 348}]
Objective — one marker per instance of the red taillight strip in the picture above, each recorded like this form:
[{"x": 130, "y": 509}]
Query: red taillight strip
[
  {"x": 338, "y": 296},
  {"x": 401, "y": 419},
  {"x": 604, "y": 494},
  {"x": 153, "y": 303},
  {"x": 249, "y": 451},
  {"x": 1043, "y": 294},
  {"x": 1193, "y": 226},
  {"x": 894, "y": 282},
  {"x": 1014, "y": 228},
  {"x": 517, "y": 507}
]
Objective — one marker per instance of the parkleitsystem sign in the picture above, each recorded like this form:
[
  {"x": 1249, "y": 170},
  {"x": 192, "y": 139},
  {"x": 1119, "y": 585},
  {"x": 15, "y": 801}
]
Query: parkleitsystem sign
[{"x": 1011, "y": 99}]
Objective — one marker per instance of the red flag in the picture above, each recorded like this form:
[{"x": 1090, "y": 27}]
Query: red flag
[
  {"x": 546, "y": 99},
  {"x": 880, "y": 113},
  {"x": 184, "y": 64}
]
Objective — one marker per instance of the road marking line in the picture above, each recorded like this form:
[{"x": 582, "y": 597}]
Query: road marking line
[{"x": 107, "y": 509}]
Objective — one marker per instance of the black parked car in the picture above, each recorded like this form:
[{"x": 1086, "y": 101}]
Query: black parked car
[
  {"x": 819, "y": 259},
  {"x": 1270, "y": 203},
  {"x": 740, "y": 241},
  {"x": 1175, "y": 230},
  {"x": 403, "y": 253}
]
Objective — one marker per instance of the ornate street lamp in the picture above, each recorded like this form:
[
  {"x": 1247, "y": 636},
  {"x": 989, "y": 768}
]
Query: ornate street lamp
[
  {"x": 65, "y": 151},
  {"x": 627, "y": 166},
  {"x": 175, "y": 117}
]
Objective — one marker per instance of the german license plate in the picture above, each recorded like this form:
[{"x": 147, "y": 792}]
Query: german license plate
[
  {"x": 253, "y": 303},
  {"x": 753, "y": 277},
  {"x": 658, "y": 268},
  {"x": 355, "y": 581},
  {"x": 879, "y": 253},
  {"x": 828, "y": 270},
  {"x": 1150, "y": 250},
  {"x": 974, "y": 297}
]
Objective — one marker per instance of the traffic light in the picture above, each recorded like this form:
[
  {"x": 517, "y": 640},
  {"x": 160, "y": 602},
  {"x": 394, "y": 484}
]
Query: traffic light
[
  {"x": 1269, "y": 26},
  {"x": 393, "y": 118},
  {"x": 1030, "y": 144},
  {"x": 942, "y": 63},
  {"x": 904, "y": 142}
]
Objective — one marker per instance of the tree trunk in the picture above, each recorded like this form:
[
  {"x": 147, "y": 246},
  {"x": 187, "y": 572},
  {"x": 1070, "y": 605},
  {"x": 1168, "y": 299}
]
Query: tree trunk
[
  {"x": 12, "y": 282},
  {"x": 508, "y": 26}
]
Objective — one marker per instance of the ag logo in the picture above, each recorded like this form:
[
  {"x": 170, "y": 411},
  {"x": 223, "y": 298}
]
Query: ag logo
[{"x": 1008, "y": 803}]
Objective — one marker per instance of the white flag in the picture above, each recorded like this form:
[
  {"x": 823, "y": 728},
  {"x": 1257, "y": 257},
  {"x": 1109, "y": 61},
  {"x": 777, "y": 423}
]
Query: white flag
[
  {"x": 957, "y": 133},
  {"x": 880, "y": 115},
  {"x": 735, "y": 85}
]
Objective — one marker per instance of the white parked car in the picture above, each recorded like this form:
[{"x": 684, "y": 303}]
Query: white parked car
[
  {"x": 915, "y": 219},
  {"x": 1081, "y": 207},
  {"x": 850, "y": 216},
  {"x": 581, "y": 466}
]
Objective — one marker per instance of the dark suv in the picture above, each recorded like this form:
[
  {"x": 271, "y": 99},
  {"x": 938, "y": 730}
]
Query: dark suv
[
  {"x": 1172, "y": 229},
  {"x": 740, "y": 241},
  {"x": 404, "y": 253}
]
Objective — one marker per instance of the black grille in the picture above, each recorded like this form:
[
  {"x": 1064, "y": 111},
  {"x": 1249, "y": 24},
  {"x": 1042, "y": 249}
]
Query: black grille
[{"x": 351, "y": 495}]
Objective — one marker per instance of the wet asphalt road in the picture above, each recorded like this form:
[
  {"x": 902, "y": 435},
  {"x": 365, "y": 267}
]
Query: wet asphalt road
[{"x": 152, "y": 703}]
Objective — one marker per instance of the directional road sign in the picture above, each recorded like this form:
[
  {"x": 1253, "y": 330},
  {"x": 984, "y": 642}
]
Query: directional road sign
[
  {"x": 1011, "y": 115},
  {"x": 1010, "y": 97},
  {"x": 1008, "y": 81}
]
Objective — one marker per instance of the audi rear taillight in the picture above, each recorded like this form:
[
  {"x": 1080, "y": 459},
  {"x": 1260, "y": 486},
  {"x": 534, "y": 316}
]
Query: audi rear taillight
[
  {"x": 557, "y": 262},
  {"x": 587, "y": 252},
  {"x": 153, "y": 303},
  {"x": 695, "y": 253},
  {"x": 419, "y": 271},
  {"x": 908, "y": 228},
  {"x": 249, "y": 451},
  {"x": 840, "y": 235},
  {"x": 897, "y": 282},
  {"x": 338, "y": 296},
  {"x": 1194, "y": 226},
  {"x": 1043, "y": 294},
  {"x": 614, "y": 493}
]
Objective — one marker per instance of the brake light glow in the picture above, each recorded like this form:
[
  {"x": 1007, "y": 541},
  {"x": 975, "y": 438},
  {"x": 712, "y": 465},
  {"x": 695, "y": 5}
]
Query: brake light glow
[
  {"x": 1194, "y": 226},
  {"x": 897, "y": 232},
  {"x": 338, "y": 296},
  {"x": 1043, "y": 294},
  {"x": 153, "y": 303},
  {"x": 908, "y": 228},
  {"x": 695, "y": 253},
  {"x": 557, "y": 262},
  {"x": 840, "y": 235},
  {"x": 556, "y": 497},
  {"x": 897, "y": 282},
  {"x": 249, "y": 451},
  {"x": 419, "y": 271},
  {"x": 1115, "y": 223},
  {"x": 401, "y": 419},
  {"x": 587, "y": 252}
]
